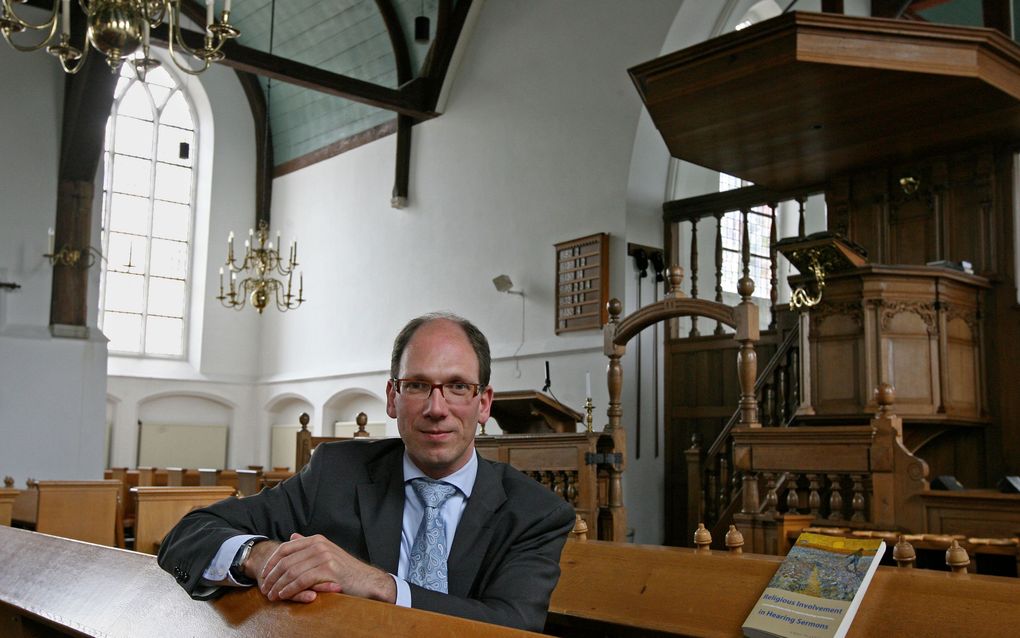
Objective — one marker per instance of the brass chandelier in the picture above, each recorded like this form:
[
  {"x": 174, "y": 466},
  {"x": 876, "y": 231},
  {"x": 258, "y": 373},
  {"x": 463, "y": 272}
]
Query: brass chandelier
[
  {"x": 116, "y": 28},
  {"x": 260, "y": 263}
]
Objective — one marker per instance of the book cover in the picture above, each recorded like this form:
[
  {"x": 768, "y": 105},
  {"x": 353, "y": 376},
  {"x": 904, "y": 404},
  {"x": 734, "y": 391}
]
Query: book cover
[{"x": 817, "y": 589}]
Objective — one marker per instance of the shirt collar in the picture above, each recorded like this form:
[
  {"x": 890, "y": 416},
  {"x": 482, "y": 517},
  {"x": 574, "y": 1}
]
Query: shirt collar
[{"x": 463, "y": 479}]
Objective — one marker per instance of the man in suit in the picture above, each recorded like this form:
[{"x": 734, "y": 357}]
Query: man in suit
[{"x": 364, "y": 519}]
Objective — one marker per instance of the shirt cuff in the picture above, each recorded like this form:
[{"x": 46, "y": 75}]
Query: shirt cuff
[
  {"x": 403, "y": 592},
  {"x": 217, "y": 574}
]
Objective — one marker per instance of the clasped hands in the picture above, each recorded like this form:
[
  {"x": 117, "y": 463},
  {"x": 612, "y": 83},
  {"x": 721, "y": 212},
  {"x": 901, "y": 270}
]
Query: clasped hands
[{"x": 304, "y": 567}]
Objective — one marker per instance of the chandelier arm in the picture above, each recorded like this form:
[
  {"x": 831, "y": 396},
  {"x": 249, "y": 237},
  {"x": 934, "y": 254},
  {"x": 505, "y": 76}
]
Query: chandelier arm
[
  {"x": 81, "y": 61},
  {"x": 12, "y": 15},
  {"x": 174, "y": 35},
  {"x": 50, "y": 26}
]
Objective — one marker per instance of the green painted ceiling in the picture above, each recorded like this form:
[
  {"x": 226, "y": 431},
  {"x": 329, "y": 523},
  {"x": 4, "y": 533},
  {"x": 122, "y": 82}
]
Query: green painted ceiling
[{"x": 347, "y": 37}]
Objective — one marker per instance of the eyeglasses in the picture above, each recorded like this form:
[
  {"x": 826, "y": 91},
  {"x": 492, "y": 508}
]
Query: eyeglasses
[{"x": 457, "y": 392}]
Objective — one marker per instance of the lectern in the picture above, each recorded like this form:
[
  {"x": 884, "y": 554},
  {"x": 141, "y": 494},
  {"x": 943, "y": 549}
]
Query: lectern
[{"x": 532, "y": 412}]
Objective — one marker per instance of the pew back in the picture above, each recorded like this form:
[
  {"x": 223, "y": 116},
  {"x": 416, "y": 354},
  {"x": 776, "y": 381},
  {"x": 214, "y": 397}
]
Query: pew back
[
  {"x": 624, "y": 589},
  {"x": 7, "y": 496},
  {"x": 159, "y": 508},
  {"x": 82, "y": 510}
]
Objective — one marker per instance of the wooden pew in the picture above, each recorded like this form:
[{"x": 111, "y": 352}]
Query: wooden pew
[
  {"x": 26, "y": 505},
  {"x": 52, "y": 586},
  {"x": 179, "y": 476},
  {"x": 160, "y": 507},
  {"x": 621, "y": 589},
  {"x": 82, "y": 510},
  {"x": 7, "y": 496},
  {"x": 249, "y": 481}
]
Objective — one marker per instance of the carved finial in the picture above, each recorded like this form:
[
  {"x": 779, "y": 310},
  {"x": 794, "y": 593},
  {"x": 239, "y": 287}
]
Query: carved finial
[
  {"x": 615, "y": 307},
  {"x": 957, "y": 558},
  {"x": 885, "y": 396},
  {"x": 362, "y": 421},
  {"x": 8, "y": 482},
  {"x": 702, "y": 538},
  {"x": 735, "y": 540},
  {"x": 903, "y": 553},
  {"x": 676, "y": 277},
  {"x": 31, "y": 483},
  {"x": 580, "y": 531},
  {"x": 303, "y": 420},
  {"x": 745, "y": 287}
]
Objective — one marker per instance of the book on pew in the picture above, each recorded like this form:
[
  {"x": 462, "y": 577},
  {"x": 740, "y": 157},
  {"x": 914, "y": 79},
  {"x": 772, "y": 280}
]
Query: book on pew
[{"x": 817, "y": 589}]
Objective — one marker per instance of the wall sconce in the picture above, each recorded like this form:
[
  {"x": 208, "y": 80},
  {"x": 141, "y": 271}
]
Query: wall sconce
[{"x": 70, "y": 257}]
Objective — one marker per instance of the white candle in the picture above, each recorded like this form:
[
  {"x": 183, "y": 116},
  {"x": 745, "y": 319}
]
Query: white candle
[
  {"x": 587, "y": 384},
  {"x": 221, "y": 281},
  {"x": 65, "y": 18},
  {"x": 145, "y": 33},
  {"x": 49, "y": 242},
  {"x": 226, "y": 6},
  {"x": 230, "y": 237},
  {"x": 208, "y": 15}
]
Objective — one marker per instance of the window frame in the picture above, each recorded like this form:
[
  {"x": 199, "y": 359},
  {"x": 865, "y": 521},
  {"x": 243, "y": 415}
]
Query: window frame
[{"x": 151, "y": 198}]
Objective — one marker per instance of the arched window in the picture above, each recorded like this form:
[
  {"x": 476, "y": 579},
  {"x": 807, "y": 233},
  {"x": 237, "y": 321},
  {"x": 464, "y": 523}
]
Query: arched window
[{"x": 148, "y": 216}]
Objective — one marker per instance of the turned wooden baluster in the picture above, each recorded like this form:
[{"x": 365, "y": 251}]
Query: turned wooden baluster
[
  {"x": 857, "y": 502},
  {"x": 694, "y": 275},
  {"x": 814, "y": 497},
  {"x": 747, "y": 334},
  {"x": 718, "y": 268},
  {"x": 771, "y": 498},
  {"x": 773, "y": 280},
  {"x": 792, "y": 498},
  {"x": 835, "y": 498}
]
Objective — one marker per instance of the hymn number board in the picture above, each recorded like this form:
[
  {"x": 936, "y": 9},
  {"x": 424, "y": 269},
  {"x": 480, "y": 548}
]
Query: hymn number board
[{"x": 582, "y": 283}]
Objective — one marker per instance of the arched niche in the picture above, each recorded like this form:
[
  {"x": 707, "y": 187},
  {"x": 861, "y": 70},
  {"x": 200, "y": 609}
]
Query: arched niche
[
  {"x": 341, "y": 410},
  {"x": 284, "y": 414},
  {"x": 184, "y": 430}
]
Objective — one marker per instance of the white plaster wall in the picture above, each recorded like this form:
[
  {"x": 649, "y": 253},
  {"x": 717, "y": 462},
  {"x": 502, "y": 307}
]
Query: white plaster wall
[{"x": 51, "y": 390}]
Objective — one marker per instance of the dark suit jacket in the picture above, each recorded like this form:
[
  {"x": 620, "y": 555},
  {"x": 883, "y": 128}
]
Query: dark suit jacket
[{"x": 503, "y": 565}]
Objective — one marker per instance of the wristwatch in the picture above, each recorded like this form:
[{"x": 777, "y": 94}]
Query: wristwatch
[{"x": 237, "y": 567}]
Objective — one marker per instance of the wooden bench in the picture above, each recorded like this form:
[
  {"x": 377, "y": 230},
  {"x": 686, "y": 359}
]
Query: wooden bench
[
  {"x": 620, "y": 589},
  {"x": 7, "y": 496},
  {"x": 159, "y": 508},
  {"x": 52, "y": 586},
  {"x": 82, "y": 510}
]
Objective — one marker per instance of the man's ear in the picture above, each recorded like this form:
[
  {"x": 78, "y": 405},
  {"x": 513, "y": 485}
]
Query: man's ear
[
  {"x": 485, "y": 405},
  {"x": 391, "y": 396}
]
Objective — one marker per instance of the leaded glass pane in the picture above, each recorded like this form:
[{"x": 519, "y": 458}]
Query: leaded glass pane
[
  {"x": 159, "y": 77},
  {"x": 136, "y": 103},
  {"x": 760, "y": 228},
  {"x": 176, "y": 112},
  {"x": 732, "y": 233},
  {"x": 169, "y": 259},
  {"x": 173, "y": 183},
  {"x": 169, "y": 146},
  {"x": 164, "y": 336},
  {"x": 122, "y": 85},
  {"x": 166, "y": 297},
  {"x": 124, "y": 292},
  {"x": 131, "y": 175},
  {"x": 133, "y": 137},
  {"x": 159, "y": 95},
  {"x": 129, "y": 214},
  {"x": 171, "y": 221},
  {"x": 126, "y": 253},
  {"x": 123, "y": 330}
]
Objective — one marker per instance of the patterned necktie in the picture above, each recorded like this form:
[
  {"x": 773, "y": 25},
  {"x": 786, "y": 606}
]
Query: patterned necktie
[{"x": 428, "y": 553}]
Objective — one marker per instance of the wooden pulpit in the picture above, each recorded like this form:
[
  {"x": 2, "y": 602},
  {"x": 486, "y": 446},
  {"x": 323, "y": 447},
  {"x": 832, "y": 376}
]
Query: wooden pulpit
[{"x": 532, "y": 412}]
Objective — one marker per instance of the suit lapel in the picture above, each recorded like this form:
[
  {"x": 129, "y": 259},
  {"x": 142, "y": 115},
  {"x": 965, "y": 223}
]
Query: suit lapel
[
  {"x": 381, "y": 507},
  {"x": 474, "y": 530}
]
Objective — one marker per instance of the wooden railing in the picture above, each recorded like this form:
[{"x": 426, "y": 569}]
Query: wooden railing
[{"x": 713, "y": 486}]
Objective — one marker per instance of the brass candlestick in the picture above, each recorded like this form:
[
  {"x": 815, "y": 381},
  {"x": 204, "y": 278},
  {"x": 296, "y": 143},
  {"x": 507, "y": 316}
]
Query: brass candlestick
[{"x": 588, "y": 407}]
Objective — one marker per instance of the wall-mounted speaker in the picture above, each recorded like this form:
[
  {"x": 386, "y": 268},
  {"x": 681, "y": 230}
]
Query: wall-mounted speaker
[
  {"x": 946, "y": 482},
  {"x": 1010, "y": 485}
]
